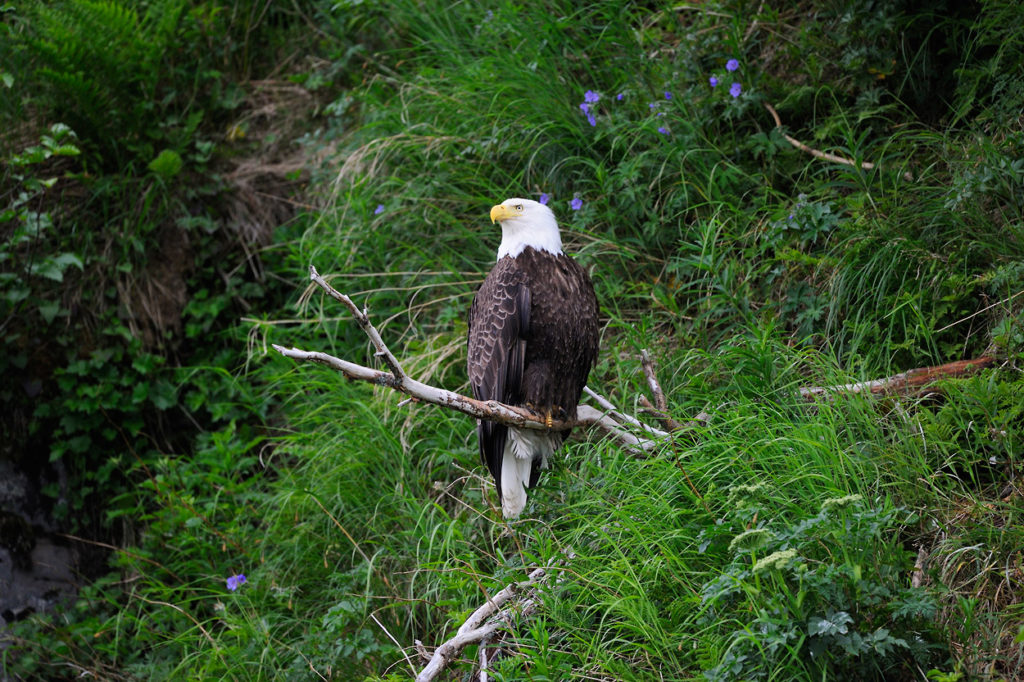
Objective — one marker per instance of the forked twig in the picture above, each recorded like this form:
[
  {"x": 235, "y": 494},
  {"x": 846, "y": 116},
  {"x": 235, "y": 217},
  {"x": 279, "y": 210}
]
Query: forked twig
[{"x": 364, "y": 323}]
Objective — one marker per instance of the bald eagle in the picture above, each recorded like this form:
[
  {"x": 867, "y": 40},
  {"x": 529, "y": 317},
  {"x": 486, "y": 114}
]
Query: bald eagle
[{"x": 533, "y": 336}]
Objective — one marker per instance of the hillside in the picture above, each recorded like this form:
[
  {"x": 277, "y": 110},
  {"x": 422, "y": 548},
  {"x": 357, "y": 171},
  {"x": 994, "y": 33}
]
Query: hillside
[{"x": 768, "y": 197}]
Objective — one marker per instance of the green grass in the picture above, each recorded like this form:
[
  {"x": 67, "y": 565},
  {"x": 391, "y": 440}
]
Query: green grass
[{"x": 746, "y": 267}]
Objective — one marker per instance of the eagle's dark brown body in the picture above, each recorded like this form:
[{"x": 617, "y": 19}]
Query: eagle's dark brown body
[{"x": 533, "y": 337}]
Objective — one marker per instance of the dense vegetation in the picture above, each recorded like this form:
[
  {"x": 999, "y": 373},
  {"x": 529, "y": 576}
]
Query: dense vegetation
[{"x": 173, "y": 167}]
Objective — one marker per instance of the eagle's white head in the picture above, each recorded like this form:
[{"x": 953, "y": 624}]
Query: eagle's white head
[{"x": 525, "y": 222}]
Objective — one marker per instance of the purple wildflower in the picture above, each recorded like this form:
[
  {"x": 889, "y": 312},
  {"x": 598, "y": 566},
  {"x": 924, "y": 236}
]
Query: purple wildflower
[
  {"x": 544, "y": 198},
  {"x": 235, "y": 581},
  {"x": 735, "y": 90},
  {"x": 652, "y": 105},
  {"x": 663, "y": 130},
  {"x": 589, "y": 97},
  {"x": 732, "y": 65},
  {"x": 713, "y": 80},
  {"x": 379, "y": 209},
  {"x": 585, "y": 108},
  {"x": 620, "y": 96},
  {"x": 668, "y": 95},
  {"x": 576, "y": 204}
]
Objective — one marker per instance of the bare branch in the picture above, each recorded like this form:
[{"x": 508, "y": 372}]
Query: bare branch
[
  {"x": 364, "y": 323},
  {"x": 483, "y": 659},
  {"x": 491, "y": 410},
  {"x": 483, "y": 622},
  {"x": 660, "y": 407},
  {"x": 866, "y": 165},
  {"x": 652, "y": 381},
  {"x": 905, "y": 382},
  {"x": 587, "y": 415},
  {"x": 621, "y": 417}
]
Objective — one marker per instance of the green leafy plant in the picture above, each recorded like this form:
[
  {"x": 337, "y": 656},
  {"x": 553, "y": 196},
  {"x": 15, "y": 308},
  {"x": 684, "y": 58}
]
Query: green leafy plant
[{"x": 824, "y": 595}]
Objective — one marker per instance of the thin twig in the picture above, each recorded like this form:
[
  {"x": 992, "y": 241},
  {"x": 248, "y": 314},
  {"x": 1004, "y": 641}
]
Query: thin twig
[
  {"x": 339, "y": 526},
  {"x": 156, "y": 602},
  {"x": 668, "y": 422},
  {"x": 979, "y": 312},
  {"x": 660, "y": 407},
  {"x": 817, "y": 153},
  {"x": 400, "y": 647},
  {"x": 122, "y": 551}
]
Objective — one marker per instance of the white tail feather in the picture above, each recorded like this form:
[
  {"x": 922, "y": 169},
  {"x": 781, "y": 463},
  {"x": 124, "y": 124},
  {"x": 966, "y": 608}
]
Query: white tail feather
[{"x": 521, "y": 449}]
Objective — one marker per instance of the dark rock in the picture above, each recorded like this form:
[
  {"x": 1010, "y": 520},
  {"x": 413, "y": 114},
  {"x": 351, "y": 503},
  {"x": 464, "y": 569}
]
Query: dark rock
[{"x": 50, "y": 580}]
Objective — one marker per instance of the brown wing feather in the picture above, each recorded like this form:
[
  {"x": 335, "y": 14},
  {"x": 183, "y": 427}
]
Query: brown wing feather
[{"x": 499, "y": 326}]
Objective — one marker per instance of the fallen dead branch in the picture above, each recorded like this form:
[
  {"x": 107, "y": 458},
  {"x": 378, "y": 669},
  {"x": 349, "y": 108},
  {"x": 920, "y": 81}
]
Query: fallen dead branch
[
  {"x": 905, "y": 383},
  {"x": 817, "y": 153},
  {"x": 484, "y": 622}
]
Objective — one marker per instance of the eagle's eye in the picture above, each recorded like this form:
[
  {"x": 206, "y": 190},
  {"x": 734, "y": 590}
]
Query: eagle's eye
[{"x": 519, "y": 207}]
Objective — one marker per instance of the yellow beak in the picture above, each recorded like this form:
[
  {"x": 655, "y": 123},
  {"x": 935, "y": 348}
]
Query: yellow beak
[{"x": 500, "y": 212}]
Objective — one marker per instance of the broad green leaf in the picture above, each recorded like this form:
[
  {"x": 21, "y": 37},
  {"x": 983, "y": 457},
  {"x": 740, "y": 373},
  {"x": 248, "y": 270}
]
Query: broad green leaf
[
  {"x": 48, "y": 311},
  {"x": 65, "y": 259}
]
